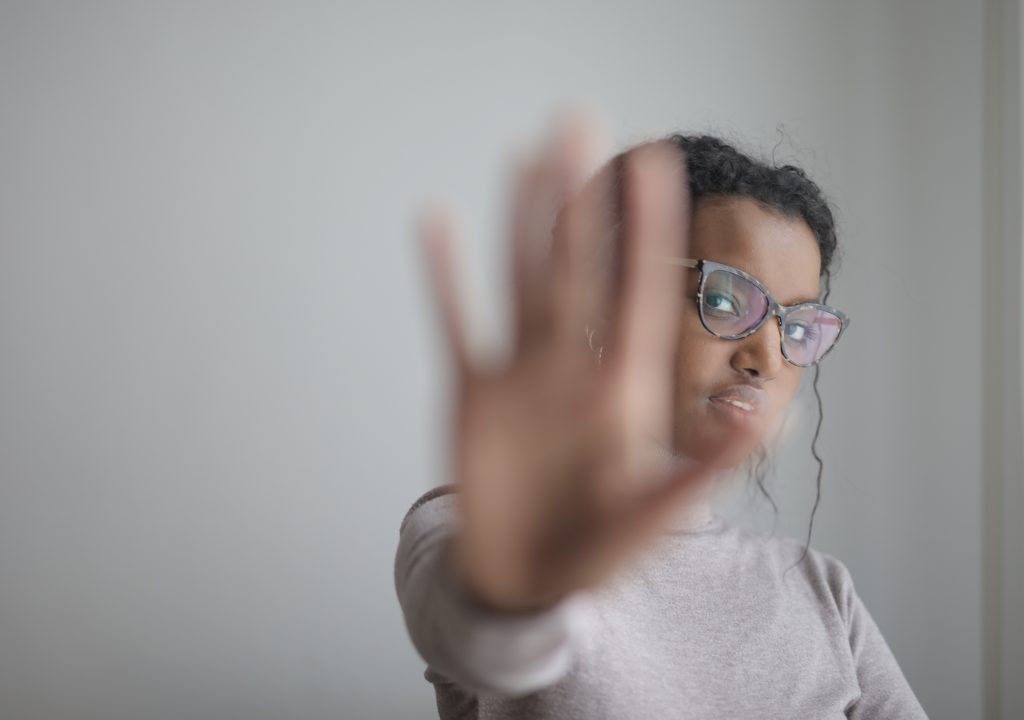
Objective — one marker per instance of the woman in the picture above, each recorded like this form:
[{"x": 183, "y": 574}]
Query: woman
[{"x": 575, "y": 568}]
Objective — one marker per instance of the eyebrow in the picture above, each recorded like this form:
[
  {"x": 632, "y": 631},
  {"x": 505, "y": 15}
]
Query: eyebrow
[
  {"x": 693, "y": 263},
  {"x": 814, "y": 300}
]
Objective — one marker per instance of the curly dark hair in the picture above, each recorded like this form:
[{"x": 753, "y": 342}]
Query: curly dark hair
[{"x": 716, "y": 168}]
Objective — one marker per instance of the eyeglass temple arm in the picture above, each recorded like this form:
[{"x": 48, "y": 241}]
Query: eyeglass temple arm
[{"x": 684, "y": 262}]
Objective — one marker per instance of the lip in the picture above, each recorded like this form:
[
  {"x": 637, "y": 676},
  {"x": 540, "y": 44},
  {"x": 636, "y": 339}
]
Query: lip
[{"x": 740, "y": 401}]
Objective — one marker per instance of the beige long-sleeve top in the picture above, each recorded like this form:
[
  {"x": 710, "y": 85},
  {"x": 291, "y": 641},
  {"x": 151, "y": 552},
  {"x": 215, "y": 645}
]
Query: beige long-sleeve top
[{"x": 706, "y": 624}]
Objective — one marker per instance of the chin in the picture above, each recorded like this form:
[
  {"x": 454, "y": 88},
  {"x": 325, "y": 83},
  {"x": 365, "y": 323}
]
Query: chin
[
  {"x": 702, "y": 444},
  {"x": 736, "y": 458}
]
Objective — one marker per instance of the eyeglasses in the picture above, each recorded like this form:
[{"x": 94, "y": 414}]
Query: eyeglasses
[{"x": 734, "y": 305}]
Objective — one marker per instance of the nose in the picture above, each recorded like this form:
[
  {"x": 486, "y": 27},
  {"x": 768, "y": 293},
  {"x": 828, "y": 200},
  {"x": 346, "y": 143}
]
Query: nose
[{"x": 759, "y": 355}]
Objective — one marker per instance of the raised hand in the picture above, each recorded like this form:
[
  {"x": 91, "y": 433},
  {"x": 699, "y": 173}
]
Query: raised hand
[{"x": 554, "y": 451}]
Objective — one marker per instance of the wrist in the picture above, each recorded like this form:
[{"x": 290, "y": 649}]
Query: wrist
[{"x": 482, "y": 601}]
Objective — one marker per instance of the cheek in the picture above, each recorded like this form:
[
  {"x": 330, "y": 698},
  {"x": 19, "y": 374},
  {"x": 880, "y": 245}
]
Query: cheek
[
  {"x": 702, "y": 361},
  {"x": 787, "y": 383},
  {"x": 701, "y": 357}
]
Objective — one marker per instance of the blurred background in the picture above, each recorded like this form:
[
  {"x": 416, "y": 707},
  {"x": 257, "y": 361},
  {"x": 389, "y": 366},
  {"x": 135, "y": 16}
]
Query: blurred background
[{"x": 221, "y": 378}]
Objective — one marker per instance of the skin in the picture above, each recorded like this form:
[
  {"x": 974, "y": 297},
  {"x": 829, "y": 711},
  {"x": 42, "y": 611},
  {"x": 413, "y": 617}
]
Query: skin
[
  {"x": 783, "y": 254},
  {"x": 559, "y": 482}
]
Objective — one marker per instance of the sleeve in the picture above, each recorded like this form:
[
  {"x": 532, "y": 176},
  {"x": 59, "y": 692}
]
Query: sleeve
[
  {"x": 885, "y": 692},
  {"x": 482, "y": 651}
]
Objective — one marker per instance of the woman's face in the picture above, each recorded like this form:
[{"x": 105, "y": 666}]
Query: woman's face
[{"x": 783, "y": 254}]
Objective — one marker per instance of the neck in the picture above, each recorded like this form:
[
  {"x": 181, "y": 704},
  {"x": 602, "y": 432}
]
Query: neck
[
  {"x": 691, "y": 517},
  {"x": 697, "y": 511}
]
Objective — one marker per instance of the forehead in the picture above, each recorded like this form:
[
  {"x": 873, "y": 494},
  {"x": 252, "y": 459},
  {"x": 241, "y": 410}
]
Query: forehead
[{"x": 779, "y": 251}]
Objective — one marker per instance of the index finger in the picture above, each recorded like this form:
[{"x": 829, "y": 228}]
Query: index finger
[{"x": 656, "y": 208}]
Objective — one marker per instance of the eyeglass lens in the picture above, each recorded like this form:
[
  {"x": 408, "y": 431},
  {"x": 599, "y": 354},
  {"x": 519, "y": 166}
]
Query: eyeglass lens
[{"x": 732, "y": 305}]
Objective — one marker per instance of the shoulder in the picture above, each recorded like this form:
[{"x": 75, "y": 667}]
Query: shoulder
[
  {"x": 433, "y": 507},
  {"x": 821, "y": 573}
]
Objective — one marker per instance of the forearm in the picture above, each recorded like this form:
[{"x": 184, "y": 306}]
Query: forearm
[{"x": 476, "y": 648}]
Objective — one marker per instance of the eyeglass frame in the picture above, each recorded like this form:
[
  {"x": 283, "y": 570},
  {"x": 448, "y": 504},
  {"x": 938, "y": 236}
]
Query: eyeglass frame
[{"x": 780, "y": 311}]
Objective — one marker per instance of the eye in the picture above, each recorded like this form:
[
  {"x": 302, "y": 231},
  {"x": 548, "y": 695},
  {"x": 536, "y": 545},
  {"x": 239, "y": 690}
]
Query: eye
[
  {"x": 721, "y": 303},
  {"x": 800, "y": 333}
]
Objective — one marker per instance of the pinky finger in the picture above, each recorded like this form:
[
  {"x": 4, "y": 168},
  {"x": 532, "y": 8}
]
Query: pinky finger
[{"x": 437, "y": 232}]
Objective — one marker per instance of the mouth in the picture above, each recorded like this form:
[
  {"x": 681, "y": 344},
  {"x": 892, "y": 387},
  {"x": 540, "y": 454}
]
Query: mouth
[
  {"x": 745, "y": 407},
  {"x": 742, "y": 403}
]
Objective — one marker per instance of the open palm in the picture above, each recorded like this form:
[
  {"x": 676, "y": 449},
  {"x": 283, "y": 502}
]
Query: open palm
[{"x": 557, "y": 484}]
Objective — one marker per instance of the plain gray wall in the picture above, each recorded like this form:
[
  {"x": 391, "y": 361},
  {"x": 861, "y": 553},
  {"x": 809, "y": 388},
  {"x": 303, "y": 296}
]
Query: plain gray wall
[{"x": 221, "y": 382}]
